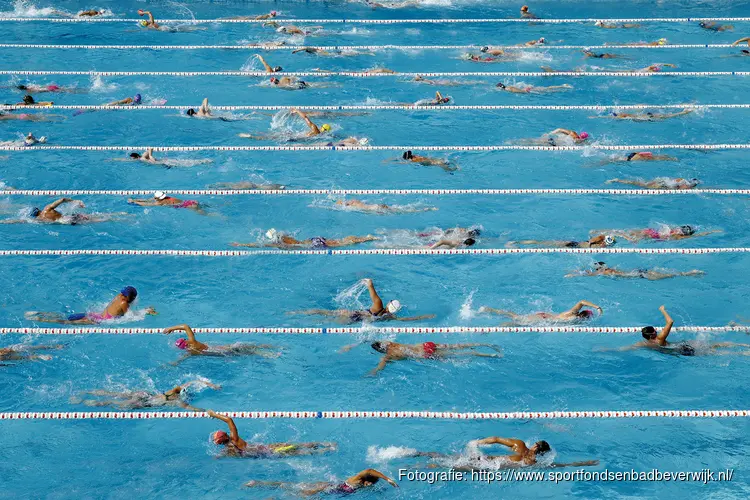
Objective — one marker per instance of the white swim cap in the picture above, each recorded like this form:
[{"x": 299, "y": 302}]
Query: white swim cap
[
  {"x": 363, "y": 141},
  {"x": 393, "y": 306},
  {"x": 609, "y": 240},
  {"x": 272, "y": 234},
  {"x": 160, "y": 195}
]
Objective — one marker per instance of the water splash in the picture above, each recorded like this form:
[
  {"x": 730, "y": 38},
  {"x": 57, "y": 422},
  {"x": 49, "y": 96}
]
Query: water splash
[
  {"x": 99, "y": 85},
  {"x": 22, "y": 8},
  {"x": 379, "y": 455},
  {"x": 466, "y": 312},
  {"x": 348, "y": 298}
]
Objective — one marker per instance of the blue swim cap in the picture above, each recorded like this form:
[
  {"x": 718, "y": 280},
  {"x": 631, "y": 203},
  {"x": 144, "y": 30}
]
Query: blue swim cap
[
  {"x": 137, "y": 98},
  {"x": 130, "y": 293},
  {"x": 35, "y": 212}
]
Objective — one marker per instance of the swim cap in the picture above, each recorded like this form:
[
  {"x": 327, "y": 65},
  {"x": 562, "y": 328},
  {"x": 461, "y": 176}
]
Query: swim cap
[
  {"x": 272, "y": 234},
  {"x": 325, "y": 128},
  {"x": 220, "y": 437},
  {"x": 35, "y": 212},
  {"x": 485, "y": 49},
  {"x": 276, "y": 69},
  {"x": 273, "y": 13},
  {"x": 27, "y": 99},
  {"x": 542, "y": 40},
  {"x": 687, "y": 230},
  {"x": 130, "y": 293},
  {"x": 662, "y": 41},
  {"x": 181, "y": 343},
  {"x": 363, "y": 141},
  {"x": 160, "y": 195},
  {"x": 144, "y": 23},
  {"x": 190, "y": 112},
  {"x": 609, "y": 240},
  {"x": 585, "y": 313},
  {"x": 599, "y": 265},
  {"x": 500, "y": 85},
  {"x": 599, "y": 23},
  {"x": 393, "y": 306},
  {"x": 584, "y": 135},
  {"x": 274, "y": 79},
  {"x": 137, "y": 99}
]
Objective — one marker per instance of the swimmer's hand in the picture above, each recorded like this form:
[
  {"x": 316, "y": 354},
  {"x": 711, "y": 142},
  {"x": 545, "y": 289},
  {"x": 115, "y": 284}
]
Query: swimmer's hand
[
  {"x": 151, "y": 311},
  {"x": 483, "y": 309},
  {"x": 140, "y": 12},
  {"x": 662, "y": 308}
]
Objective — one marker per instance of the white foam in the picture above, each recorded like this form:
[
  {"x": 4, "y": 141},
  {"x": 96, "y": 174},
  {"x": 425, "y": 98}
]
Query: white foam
[
  {"x": 379, "y": 455},
  {"x": 22, "y": 8},
  {"x": 466, "y": 312},
  {"x": 99, "y": 85}
]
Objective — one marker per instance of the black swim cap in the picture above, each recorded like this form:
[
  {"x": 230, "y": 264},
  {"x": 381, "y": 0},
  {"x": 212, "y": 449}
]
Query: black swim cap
[
  {"x": 27, "y": 99},
  {"x": 469, "y": 242},
  {"x": 277, "y": 69},
  {"x": 22, "y": 87},
  {"x": 485, "y": 49},
  {"x": 473, "y": 233},
  {"x": 500, "y": 85},
  {"x": 542, "y": 447},
  {"x": 687, "y": 230},
  {"x": 378, "y": 346},
  {"x": 648, "y": 332},
  {"x": 135, "y": 155},
  {"x": 600, "y": 264},
  {"x": 190, "y": 112},
  {"x": 631, "y": 155},
  {"x": 35, "y": 212}
]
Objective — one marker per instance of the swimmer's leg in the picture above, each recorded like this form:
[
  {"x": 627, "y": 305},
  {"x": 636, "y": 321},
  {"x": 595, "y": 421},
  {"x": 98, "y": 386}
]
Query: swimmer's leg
[
  {"x": 353, "y": 240},
  {"x": 721, "y": 345},
  {"x": 41, "y": 347},
  {"x": 320, "y": 312},
  {"x": 694, "y": 272}
]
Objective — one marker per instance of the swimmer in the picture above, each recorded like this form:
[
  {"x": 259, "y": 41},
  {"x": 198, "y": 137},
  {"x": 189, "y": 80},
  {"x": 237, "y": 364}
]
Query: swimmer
[
  {"x": 639, "y": 156},
  {"x": 150, "y": 24},
  {"x": 49, "y": 214},
  {"x": 602, "y": 24},
  {"x": 235, "y": 446},
  {"x": 712, "y": 26},
  {"x": 33, "y": 88},
  {"x": 505, "y": 56},
  {"x": 247, "y": 186},
  {"x": 361, "y": 206},
  {"x": 598, "y": 241},
  {"x": 314, "y": 130},
  {"x": 380, "y": 71},
  {"x": 136, "y": 400},
  {"x": 653, "y": 68},
  {"x": 128, "y": 101},
  {"x": 602, "y": 269},
  {"x": 551, "y": 138},
  {"x": 575, "y": 314},
  {"x": 657, "y": 341},
  {"x": 203, "y": 112},
  {"x": 5, "y": 116},
  {"x": 29, "y": 100},
  {"x": 288, "y": 83},
  {"x": 644, "y": 117},
  {"x": 91, "y": 13},
  {"x": 376, "y": 312},
  {"x": 116, "y": 309},
  {"x": 161, "y": 199},
  {"x": 666, "y": 183},
  {"x": 291, "y": 29},
  {"x": 522, "y": 456},
  {"x": 438, "y": 100},
  {"x": 394, "y": 351},
  {"x": 31, "y": 140},
  {"x": 444, "y": 83},
  {"x": 526, "y": 14},
  {"x": 24, "y": 352},
  {"x": 531, "y": 43},
  {"x": 529, "y": 89},
  {"x": 278, "y": 239},
  {"x": 261, "y": 17},
  {"x": 147, "y": 156},
  {"x": 453, "y": 243},
  {"x": 666, "y": 233},
  {"x": 194, "y": 348},
  {"x": 267, "y": 67},
  {"x": 427, "y": 161},
  {"x": 600, "y": 55},
  {"x": 364, "y": 479},
  {"x": 660, "y": 41}
]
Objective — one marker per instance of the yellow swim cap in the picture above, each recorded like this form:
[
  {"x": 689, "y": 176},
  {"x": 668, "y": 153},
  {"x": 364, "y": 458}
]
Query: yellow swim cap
[
  {"x": 144, "y": 23},
  {"x": 325, "y": 128},
  {"x": 662, "y": 41}
]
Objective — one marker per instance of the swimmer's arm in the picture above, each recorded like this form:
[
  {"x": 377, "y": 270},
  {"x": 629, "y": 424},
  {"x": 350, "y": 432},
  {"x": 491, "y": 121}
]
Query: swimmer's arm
[
  {"x": 150, "y": 16},
  {"x": 584, "y": 303},
  {"x": 205, "y": 382},
  {"x": 706, "y": 233},
  {"x": 562, "y": 131},
  {"x": 204, "y": 106},
  {"x": 186, "y": 406},
  {"x": 370, "y": 473},
  {"x": 746, "y": 39},
  {"x": 441, "y": 243},
  {"x": 586, "y": 463},
  {"x": 269, "y": 69},
  {"x": 57, "y": 203},
  {"x": 383, "y": 361},
  {"x": 349, "y": 347},
  {"x": 184, "y": 328},
  {"x": 415, "y": 318},
  {"x": 232, "y": 428},
  {"x": 377, "y": 302},
  {"x": 301, "y": 114},
  {"x": 664, "y": 333},
  {"x": 510, "y": 443}
]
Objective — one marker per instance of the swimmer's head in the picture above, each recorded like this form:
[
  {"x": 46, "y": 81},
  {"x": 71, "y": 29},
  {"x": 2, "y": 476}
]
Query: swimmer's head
[
  {"x": 160, "y": 195},
  {"x": 648, "y": 332},
  {"x": 585, "y": 314},
  {"x": 190, "y": 112},
  {"x": 393, "y": 306},
  {"x": 380, "y": 346},
  {"x": 272, "y": 234},
  {"x": 662, "y": 41},
  {"x": 274, "y": 13},
  {"x": 693, "y": 182},
  {"x": 599, "y": 23},
  {"x": 22, "y": 87},
  {"x": 274, "y": 80},
  {"x": 469, "y": 242},
  {"x": 276, "y": 69},
  {"x": 525, "y": 8},
  {"x": 35, "y": 212},
  {"x": 137, "y": 98},
  {"x": 485, "y": 49},
  {"x": 144, "y": 23},
  {"x": 181, "y": 344},
  {"x": 584, "y": 135},
  {"x": 363, "y": 141},
  {"x": 609, "y": 240},
  {"x": 687, "y": 230},
  {"x": 27, "y": 99},
  {"x": 500, "y": 85},
  {"x": 407, "y": 155},
  {"x": 130, "y": 293},
  {"x": 220, "y": 437},
  {"x": 135, "y": 156},
  {"x": 631, "y": 156},
  {"x": 540, "y": 447},
  {"x": 326, "y": 127},
  {"x": 600, "y": 265},
  {"x": 473, "y": 233},
  {"x": 542, "y": 40}
]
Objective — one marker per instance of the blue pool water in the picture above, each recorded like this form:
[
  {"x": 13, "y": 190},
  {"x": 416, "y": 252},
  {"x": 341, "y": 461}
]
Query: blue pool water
[{"x": 539, "y": 371}]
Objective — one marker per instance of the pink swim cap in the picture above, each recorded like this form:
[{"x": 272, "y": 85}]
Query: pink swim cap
[
  {"x": 181, "y": 343},
  {"x": 273, "y": 12},
  {"x": 584, "y": 135}
]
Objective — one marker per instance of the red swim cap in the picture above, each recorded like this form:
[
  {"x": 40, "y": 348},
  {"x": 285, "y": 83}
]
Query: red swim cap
[{"x": 220, "y": 437}]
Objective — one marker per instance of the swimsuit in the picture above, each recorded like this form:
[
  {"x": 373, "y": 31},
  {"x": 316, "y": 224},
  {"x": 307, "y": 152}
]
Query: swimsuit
[
  {"x": 343, "y": 488},
  {"x": 187, "y": 204},
  {"x": 318, "y": 243},
  {"x": 430, "y": 349},
  {"x": 365, "y": 314},
  {"x": 652, "y": 233},
  {"x": 94, "y": 317}
]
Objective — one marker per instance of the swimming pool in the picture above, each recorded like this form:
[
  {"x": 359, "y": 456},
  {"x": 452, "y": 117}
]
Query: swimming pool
[{"x": 564, "y": 371}]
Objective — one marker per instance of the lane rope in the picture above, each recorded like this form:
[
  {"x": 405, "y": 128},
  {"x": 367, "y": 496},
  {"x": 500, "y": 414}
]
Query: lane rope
[
  {"x": 373, "y": 21},
  {"x": 602, "y": 147},
  {"x": 89, "y": 330},
  {"x": 372, "y": 107},
  {"x": 435, "y": 415},
  {"x": 362, "y": 47},
  {"x": 375, "y": 251},
  {"x": 368, "y": 74},
  {"x": 334, "y": 192}
]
